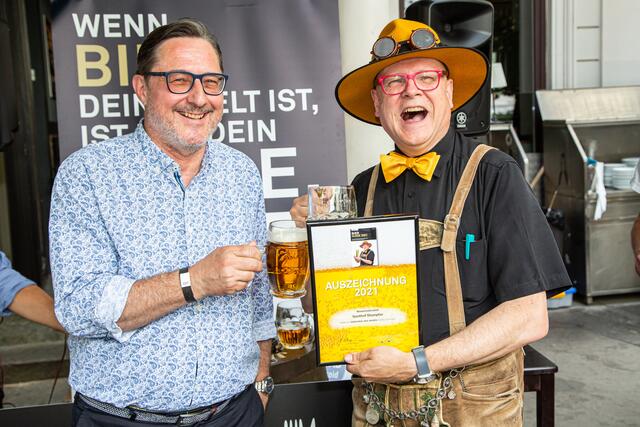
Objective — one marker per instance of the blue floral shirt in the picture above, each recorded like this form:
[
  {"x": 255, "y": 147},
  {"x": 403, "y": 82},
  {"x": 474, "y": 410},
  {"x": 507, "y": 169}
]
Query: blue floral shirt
[
  {"x": 120, "y": 213},
  {"x": 11, "y": 282}
]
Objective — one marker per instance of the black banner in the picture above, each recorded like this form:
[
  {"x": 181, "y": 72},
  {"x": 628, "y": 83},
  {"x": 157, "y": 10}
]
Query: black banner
[{"x": 283, "y": 58}]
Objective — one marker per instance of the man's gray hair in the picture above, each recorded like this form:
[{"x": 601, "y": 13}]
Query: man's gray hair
[{"x": 184, "y": 27}]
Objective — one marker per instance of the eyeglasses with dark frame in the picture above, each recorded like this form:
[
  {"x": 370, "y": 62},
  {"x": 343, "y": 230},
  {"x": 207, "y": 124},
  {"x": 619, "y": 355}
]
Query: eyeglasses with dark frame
[
  {"x": 395, "y": 84},
  {"x": 181, "y": 82}
]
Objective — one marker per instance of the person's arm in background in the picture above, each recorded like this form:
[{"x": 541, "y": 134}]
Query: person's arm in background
[
  {"x": 21, "y": 296},
  {"x": 36, "y": 305},
  {"x": 635, "y": 243},
  {"x": 299, "y": 212}
]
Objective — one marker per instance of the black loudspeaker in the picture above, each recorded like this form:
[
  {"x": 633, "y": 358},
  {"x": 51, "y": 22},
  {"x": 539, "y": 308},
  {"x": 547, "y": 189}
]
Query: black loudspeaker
[{"x": 463, "y": 23}]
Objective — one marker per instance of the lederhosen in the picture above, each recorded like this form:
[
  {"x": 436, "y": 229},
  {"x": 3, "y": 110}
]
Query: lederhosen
[{"x": 487, "y": 394}]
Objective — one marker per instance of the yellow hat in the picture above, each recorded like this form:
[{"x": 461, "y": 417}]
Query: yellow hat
[{"x": 468, "y": 68}]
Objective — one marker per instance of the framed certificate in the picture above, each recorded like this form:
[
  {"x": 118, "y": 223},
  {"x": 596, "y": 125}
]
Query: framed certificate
[{"x": 364, "y": 276}]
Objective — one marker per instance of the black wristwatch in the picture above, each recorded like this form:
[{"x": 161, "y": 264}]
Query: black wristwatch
[
  {"x": 185, "y": 284},
  {"x": 265, "y": 385},
  {"x": 424, "y": 372}
]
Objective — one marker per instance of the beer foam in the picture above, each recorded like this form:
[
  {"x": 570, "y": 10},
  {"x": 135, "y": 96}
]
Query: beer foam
[{"x": 288, "y": 235}]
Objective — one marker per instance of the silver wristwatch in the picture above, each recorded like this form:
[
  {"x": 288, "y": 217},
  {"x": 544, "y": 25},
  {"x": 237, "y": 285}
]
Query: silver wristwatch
[
  {"x": 424, "y": 372},
  {"x": 265, "y": 385}
]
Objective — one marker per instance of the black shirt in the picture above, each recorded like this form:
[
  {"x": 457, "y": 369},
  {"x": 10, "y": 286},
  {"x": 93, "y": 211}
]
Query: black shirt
[
  {"x": 369, "y": 255},
  {"x": 514, "y": 253}
]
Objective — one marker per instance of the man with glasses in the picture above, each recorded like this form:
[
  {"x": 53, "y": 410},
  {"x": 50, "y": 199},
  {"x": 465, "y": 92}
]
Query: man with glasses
[
  {"x": 154, "y": 250},
  {"x": 487, "y": 261}
]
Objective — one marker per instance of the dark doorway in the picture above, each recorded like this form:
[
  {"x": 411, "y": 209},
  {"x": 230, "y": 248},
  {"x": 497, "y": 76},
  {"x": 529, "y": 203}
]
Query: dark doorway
[{"x": 28, "y": 155}]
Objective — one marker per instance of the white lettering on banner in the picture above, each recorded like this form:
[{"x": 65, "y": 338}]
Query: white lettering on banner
[
  {"x": 236, "y": 129},
  {"x": 269, "y": 172},
  {"x": 234, "y": 103},
  {"x": 298, "y": 423},
  {"x": 110, "y": 105},
  {"x": 287, "y": 100},
  {"x": 101, "y": 132},
  {"x": 112, "y": 24}
]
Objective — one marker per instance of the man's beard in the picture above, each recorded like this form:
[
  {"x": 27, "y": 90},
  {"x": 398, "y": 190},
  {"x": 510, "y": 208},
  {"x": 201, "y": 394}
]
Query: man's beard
[{"x": 169, "y": 132}]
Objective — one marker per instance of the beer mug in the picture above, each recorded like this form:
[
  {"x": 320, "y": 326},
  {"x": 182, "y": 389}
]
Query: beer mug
[
  {"x": 287, "y": 259},
  {"x": 293, "y": 325},
  {"x": 332, "y": 202}
]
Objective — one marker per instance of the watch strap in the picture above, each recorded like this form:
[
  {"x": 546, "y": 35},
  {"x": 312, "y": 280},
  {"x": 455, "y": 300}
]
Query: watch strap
[
  {"x": 424, "y": 372},
  {"x": 265, "y": 385},
  {"x": 185, "y": 284}
]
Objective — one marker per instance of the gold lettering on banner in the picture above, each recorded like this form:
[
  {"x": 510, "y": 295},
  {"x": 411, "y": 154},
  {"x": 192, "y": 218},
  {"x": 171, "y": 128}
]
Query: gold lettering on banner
[
  {"x": 123, "y": 68},
  {"x": 84, "y": 65}
]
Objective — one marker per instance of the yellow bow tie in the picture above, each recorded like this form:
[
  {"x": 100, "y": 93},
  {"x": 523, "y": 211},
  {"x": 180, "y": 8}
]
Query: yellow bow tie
[{"x": 393, "y": 164}]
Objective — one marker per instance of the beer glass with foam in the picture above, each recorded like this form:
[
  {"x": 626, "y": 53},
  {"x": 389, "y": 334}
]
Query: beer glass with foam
[
  {"x": 287, "y": 259},
  {"x": 292, "y": 324}
]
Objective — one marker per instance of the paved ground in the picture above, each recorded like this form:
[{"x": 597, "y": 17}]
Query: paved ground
[
  {"x": 597, "y": 350},
  {"x": 31, "y": 393}
]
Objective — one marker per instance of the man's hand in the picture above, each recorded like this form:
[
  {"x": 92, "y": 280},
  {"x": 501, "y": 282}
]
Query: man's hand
[
  {"x": 226, "y": 270},
  {"x": 382, "y": 364},
  {"x": 263, "y": 367},
  {"x": 264, "y": 397},
  {"x": 638, "y": 264},
  {"x": 300, "y": 210}
]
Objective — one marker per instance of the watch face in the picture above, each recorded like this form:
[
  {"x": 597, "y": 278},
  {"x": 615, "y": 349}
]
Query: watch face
[{"x": 269, "y": 387}]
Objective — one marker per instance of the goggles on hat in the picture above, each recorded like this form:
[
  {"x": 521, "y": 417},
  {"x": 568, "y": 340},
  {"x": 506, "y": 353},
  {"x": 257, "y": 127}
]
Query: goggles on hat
[{"x": 420, "y": 39}]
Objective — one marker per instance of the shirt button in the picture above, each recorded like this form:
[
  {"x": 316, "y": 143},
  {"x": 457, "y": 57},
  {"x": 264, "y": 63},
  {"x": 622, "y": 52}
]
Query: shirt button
[{"x": 411, "y": 194}]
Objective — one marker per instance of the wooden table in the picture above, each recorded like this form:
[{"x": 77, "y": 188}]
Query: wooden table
[
  {"x": 539, "y": 376},
  {"x": 297, "y": 366}
]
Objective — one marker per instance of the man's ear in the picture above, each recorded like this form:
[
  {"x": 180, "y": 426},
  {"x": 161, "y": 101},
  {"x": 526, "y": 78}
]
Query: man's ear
[
  {"x": 140, "y": 88},
  {"x": 375, "y": 96},
  {"x": 449, "y": 89}
]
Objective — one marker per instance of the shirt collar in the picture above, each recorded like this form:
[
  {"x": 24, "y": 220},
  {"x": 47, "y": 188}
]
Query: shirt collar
[{"x": 444, "y": 148}]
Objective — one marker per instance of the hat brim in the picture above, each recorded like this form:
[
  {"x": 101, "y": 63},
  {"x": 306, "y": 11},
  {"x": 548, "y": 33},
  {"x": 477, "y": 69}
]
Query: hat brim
[{"x": 467, "y": 68}]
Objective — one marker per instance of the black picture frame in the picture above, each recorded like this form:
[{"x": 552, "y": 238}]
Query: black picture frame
[{"x": 363, "y": 223}]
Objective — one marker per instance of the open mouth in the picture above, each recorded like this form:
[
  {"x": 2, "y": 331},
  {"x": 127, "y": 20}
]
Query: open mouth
[
  {"x": 193, "y": 116},
  {"x": 413, "y": 114}
]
